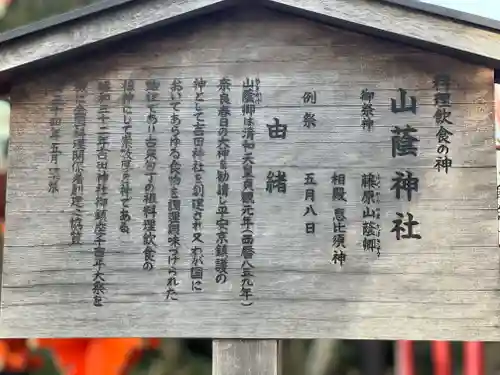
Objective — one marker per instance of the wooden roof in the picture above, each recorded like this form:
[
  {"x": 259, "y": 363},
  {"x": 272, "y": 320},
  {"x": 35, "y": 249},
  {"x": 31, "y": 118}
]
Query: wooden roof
[
  {"x": 437, "y": 29},
  {"x": 439, "y": 10}
]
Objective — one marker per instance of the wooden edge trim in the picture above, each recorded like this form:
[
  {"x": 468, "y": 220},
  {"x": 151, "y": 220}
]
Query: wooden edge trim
[
  {"x": 395, "y": 22},
  {"x": 104, "y": 26}
]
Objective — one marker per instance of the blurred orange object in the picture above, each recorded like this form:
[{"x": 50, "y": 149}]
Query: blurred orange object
[
  {"x": 441, "y": 357},
  {"x": 16, "y": 356},
  {"x": 473, "y": 358},
  {"x": 104, "y": 356}
]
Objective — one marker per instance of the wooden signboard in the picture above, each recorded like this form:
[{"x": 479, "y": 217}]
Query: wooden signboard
[{"x": 290, "y": 180}]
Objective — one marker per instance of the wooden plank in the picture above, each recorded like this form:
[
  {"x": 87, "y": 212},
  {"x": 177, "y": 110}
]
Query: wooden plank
[
  {"x": 442, "y": 286},
  {"x": 245, "y": 357},
  {"x": 449, "y": 12},
  {"x": 60, "y": 19},
  {"x": 94, "y": 26},
  {"x": 404, "y": 24},
  {"x": 491, "y": 359},
  {"x": 98, "y": 28}
]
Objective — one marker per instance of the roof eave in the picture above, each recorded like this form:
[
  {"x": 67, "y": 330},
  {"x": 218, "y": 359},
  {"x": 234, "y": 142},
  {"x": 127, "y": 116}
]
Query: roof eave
[
  {"x": 394, "y": 22},
  {"x": 61, "y": 19},
  {"x": 135, "y": 16},
  {"x": 119, "y": 18},
  {"x": 454, "y": 14}
]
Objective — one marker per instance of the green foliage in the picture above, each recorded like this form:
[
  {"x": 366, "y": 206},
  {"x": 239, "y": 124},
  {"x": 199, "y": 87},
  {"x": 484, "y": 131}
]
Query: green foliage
[
  {"x": 22, "y": 12},
  {"x": 173, "y": 358},
  {"x": 49, "y": 368}
]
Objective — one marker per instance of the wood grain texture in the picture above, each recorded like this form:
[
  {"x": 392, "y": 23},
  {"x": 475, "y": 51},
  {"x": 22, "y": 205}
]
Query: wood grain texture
[
  {"x": 98, "y": 28},
  {"x": 445, "y": 11},
  {"x": 403, "y": 22},
  {"x": 245, "y": 357},
  {"x": 444, "y": 286},
  {"x": 442, "y": 33}
]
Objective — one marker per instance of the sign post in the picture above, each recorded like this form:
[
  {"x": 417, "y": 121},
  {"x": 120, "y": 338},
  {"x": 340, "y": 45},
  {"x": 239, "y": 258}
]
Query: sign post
[{"x": 246, "y": 357}]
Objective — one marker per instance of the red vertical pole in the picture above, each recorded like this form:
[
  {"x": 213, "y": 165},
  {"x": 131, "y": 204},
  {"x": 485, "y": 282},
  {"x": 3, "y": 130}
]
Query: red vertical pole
[
  {"x": 473, "y": 358},
  {"x": 441, "y": 357},
  {"x": 405, "y": 362}
]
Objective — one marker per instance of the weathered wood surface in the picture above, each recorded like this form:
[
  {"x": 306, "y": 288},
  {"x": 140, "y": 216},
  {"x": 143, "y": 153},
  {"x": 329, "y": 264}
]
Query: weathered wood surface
[
  {"x": 246, "y": 357},
  {"x": 444, "y": 286},
  {"x": 105, "y": 26},
  {"x": 390, "y": 20},
  {"x": 403, "y": 22}
]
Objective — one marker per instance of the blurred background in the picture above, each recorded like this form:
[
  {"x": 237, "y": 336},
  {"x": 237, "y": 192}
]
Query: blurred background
[{"x": 193, "y": 357}]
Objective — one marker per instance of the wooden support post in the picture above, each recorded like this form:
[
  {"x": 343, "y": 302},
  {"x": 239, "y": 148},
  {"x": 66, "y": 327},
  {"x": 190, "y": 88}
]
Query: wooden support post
[{"x": 246, "y": 357}]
